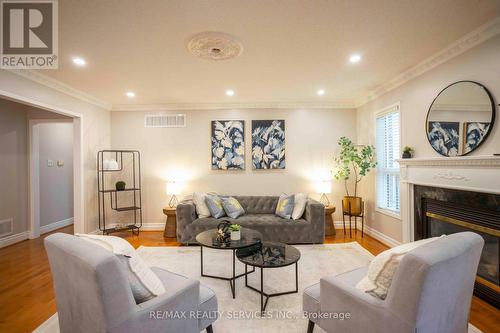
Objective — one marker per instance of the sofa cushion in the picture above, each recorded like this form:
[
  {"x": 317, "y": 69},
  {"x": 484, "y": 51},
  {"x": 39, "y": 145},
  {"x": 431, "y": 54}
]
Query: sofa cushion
[
  {"x": 258, "y": 204},
  {"x": 232, "y": 207},
  {"x": 285, "y": 205},
  {"x": 300, "y": 201},
  {"x": 214, "y": 203},
  {"x": 200, "y": 204}
]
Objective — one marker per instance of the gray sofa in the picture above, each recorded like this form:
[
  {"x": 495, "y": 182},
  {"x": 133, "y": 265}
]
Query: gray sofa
[{"x": 259, "y": 215}]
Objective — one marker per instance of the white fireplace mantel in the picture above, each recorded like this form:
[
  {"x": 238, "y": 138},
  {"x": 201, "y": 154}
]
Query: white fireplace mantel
[{"x": 468, "y": 173}]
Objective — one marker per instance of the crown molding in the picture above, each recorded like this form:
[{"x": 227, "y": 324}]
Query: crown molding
[
  {"x": 59, "y": 86},
  {"x": 231, "y": 106},
  {"x": 470, "y": 40}
]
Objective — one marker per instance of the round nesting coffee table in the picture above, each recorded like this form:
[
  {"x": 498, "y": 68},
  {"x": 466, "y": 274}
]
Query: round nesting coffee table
[
  {"x": 208, "y": 238},
  {"x": 269, "y": 255}
]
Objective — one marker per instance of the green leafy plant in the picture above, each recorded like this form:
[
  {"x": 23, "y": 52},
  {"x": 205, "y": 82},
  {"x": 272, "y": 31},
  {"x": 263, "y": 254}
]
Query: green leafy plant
[
  {"x": 407, "y": 149},
  {"x": 235, "y": 227},
  {"x": 353, "y": 162}
]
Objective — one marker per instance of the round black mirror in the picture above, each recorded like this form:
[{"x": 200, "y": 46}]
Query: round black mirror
[{"x": 460, "y": 118}]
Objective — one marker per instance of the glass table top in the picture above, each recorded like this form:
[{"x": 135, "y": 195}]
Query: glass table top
[
  {"x": 249, "y": 237},
  {"x": 269, "y": 254}
]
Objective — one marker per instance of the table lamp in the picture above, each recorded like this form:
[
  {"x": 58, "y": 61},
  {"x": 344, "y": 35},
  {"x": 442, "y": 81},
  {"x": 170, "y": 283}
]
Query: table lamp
[
  {"x": 325, "y": 187},
  {"x": 173, "y": 189}
]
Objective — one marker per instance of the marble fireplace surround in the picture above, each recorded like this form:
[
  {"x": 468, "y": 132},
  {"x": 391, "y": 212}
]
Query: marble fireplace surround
[{"x": 468, "y": 173}]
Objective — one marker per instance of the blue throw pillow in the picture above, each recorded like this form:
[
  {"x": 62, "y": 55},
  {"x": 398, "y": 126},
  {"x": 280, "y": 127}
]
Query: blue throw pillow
[
  {"x": 232, "y": 207},
  {"x": 214, "y": 203},
  {"x": 285, "y": 206}
]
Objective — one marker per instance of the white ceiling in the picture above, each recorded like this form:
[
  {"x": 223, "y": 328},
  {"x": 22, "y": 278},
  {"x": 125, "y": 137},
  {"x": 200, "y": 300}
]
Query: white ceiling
[{"x": 291, "y": 48}]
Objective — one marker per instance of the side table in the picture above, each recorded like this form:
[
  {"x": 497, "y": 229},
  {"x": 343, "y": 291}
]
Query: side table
[
  {"x": 171, "y": 222},
  {"x": 329, "y": 226}
]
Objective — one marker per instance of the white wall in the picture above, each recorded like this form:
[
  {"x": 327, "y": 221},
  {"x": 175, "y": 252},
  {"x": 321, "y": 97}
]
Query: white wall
[
  {"x": 96, "y": 135},
  {"x": 169, "y": 153},
  {"x": 479, "y": 64},
  {"x": 13, "y": 165},
  {"x": 56, "y": 182}
]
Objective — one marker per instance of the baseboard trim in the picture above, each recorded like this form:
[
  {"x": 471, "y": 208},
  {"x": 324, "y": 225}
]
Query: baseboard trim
[
  {"x": 12, "y": 239},
  {"x": 55, "y": 225},
  {"x": 381, "y": 237},
  {"x": 145, "y": 227}
]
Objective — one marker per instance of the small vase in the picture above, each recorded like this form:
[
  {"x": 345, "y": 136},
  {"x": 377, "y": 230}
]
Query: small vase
[{"x": 236, "y": 235}]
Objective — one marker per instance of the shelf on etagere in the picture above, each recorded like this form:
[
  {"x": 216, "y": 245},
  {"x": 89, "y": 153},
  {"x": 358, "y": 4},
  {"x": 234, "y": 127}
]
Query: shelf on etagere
[
  {"x": 126, "y": 228},
  {"x": 125, "y": 209},
  {"x": 125, "y": 190}
]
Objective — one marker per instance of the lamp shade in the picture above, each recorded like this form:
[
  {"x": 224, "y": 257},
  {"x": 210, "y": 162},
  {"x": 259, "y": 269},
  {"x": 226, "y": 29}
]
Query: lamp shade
[
  {"x": 173, "y": 188},
  {"x": 325, "y": 186}
]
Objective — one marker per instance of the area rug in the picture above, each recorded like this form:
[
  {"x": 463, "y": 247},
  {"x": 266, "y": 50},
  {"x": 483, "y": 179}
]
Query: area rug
[{"x": 283, "y": 313}]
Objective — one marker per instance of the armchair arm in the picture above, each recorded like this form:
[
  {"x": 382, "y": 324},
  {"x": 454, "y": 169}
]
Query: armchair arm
[
  {"x": 315, "y": 214},
  {"x": 186, "y": 214},
  {"x": 173, "y": 311},
  {"x": 367, "y": 313}
]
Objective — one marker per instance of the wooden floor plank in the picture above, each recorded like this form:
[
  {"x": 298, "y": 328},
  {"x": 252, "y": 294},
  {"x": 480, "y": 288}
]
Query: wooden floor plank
[{"x": 27, "y": 296}]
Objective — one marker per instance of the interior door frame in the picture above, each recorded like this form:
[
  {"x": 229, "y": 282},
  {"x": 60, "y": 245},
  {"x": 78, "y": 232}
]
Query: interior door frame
[{"x": 78, "y": 167}]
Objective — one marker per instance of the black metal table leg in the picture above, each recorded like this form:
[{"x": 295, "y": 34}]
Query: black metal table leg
[{"x": 233, "y": 278}]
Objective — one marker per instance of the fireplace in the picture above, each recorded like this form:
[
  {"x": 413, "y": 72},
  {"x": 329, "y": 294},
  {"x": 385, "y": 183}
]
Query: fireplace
[{"x": 439, "y": 211}]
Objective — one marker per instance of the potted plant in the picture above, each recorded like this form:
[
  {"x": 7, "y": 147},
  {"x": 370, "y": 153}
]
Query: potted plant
[
  {"x": 235, "y": 231},
  {"x": 356, "y": 163},
  {"x": 407, "y": 152},
  {"x": 120, "y": 185}
]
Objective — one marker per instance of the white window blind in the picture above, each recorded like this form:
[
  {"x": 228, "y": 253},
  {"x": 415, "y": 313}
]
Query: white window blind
[{"x": 387, "y": 138}]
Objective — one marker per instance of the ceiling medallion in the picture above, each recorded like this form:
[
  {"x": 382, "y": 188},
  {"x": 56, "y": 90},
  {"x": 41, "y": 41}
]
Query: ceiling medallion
[{"x": 214, "y": 46}]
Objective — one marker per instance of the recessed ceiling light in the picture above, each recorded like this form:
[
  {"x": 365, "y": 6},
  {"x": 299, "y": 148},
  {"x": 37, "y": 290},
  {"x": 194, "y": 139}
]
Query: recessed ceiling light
[
  {"x": 130, "y": 94},
  {"x": 320, "y": 92},
  {"x": 355, "y": 58},
  {"x": 79, "y": 61},
  {"x": 229, "y": 92}
]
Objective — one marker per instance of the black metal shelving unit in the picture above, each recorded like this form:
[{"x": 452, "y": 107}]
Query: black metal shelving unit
[{"x": 102, "y": 191}]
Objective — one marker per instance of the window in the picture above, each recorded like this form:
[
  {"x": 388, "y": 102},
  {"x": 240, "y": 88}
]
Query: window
[{"x": 387, "y": 139}]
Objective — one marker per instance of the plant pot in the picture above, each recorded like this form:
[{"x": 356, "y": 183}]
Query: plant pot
[
  {"x": 406, "y": 154},
  {"x": 236, "y": 235},
  {"x": 352, "y": 203},
  {"x": 120, "y": 186}
]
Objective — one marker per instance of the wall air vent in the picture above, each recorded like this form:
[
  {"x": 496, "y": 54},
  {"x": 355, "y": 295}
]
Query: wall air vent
[
  {"x": 6, "y": 227},
  {"x": 161, "y": 120}
]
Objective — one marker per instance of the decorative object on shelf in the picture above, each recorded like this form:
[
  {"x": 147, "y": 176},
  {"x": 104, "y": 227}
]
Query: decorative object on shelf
[
  {"x": 131, "y": 159},
  {"x": 460, "y": 118},
  {"x": 171, "y": 222},
  {"x": 110, "y": 165},
  {"x": 324, "y": 187},
  {"x": 235, "y": 231},
  {"x": 475, "y": 133},
  {"x": 223, "y": 232},
  {"x": 173, "y": 189},
  {"x": 228, "y": 145},
  {"x": 268, "y": 144},
  {"x": 444, "y": 137},
  {"x": 120, "y": 185},
  {"x": 357, "y": 161},
  {"x": 407, "y": 152}
]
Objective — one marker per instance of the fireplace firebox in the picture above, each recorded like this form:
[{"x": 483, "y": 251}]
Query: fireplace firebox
[{"x": 441, "y": 211}]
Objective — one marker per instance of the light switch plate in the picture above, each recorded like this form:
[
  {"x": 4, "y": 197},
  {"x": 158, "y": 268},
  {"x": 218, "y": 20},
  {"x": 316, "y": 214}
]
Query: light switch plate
[{"x": 50, "y": 163}]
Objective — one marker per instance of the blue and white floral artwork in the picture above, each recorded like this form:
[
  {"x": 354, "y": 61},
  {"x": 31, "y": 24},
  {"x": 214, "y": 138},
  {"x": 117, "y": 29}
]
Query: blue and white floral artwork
[
  {"x": 268, "y": 144},
  {"x": 228, "y": 145},
  {"x": 444, "y": 137},
  {"x": 474, "y": 134}
]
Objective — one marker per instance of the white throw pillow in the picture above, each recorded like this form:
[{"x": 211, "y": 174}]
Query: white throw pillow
[
  {"x": 200, "y": 204},
  {"x": 121, "y": 247},
  {"x": 299, "y": 205},
  {"x": 383, "y": 267}
]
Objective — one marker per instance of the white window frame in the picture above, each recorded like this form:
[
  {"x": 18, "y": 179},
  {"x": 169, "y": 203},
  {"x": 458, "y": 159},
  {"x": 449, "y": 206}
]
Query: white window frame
[{"x": 379, "y": 113}]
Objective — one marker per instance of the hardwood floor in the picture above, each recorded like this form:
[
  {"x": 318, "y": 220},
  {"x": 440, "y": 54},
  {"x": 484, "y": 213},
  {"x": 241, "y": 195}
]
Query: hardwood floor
[{"x": 27, "y": 297}]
